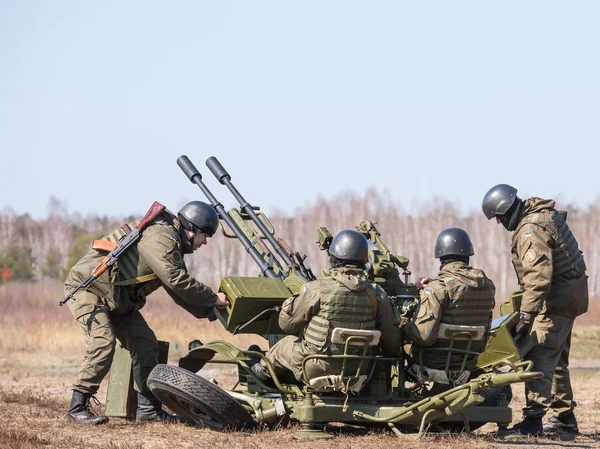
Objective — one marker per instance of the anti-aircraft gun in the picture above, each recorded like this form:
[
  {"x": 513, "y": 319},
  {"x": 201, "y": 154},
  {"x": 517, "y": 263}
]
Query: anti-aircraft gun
[
  {"x": 254, "y": 301},
  {"x": 383, "y": 267},
  {"x": 378, "y": 393}
]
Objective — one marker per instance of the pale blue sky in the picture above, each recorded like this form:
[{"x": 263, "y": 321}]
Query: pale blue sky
[{"x": 297, "y": 99}]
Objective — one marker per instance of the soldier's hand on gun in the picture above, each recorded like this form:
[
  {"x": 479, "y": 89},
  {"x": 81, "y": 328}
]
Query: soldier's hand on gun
[
  {"x": 420, "y": 284},
  {"x": 222, "y": 301},
  {"x": 524, "y": 324}
]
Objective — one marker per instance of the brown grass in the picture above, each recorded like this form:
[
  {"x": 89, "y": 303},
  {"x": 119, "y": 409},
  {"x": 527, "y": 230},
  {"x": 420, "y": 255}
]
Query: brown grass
[{"x": 40, "y": 349}]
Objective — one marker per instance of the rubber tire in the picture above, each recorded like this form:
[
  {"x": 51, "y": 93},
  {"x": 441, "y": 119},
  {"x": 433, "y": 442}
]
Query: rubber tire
[{"x": 196, "y": 400}]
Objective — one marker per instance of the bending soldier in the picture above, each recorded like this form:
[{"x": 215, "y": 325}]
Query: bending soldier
[
  {"x": 551, "y": 274},
  {"x": 345, "y": 298},
  {"x": 459, "y": 295},
  {"x": 109, "y": 309}
]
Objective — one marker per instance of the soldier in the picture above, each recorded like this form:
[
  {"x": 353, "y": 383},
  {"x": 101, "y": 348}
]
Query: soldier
[
  {"x": 109, "y": 309},
  {"x": 551, "y": 274},
  {"x": 345, "y": 298},
  {"x": 458, "y": 295}
]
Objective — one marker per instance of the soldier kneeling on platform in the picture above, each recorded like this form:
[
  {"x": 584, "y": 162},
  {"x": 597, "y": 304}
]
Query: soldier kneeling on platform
[
  {"x": 458, "y": 296},
  {"x": 346, "y": 298}
]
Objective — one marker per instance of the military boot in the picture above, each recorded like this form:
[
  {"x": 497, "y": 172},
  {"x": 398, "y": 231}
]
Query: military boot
[
  {"x": 528, "y": 427},
  {"x": 149, "y": 409},
  {"x": 565, "y": 423},
  {"x": 253, "y": 359},
  {"x": 81, "y": 412}
]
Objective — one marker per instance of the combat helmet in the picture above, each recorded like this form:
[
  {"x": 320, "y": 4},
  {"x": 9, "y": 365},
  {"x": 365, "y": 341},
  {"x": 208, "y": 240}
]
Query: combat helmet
[
  {"x": 350, "y": 246},
  {"x": 453, "y": 242},
  {"x": 498, "y": 200},
  {"x": 197, "y": 217}
]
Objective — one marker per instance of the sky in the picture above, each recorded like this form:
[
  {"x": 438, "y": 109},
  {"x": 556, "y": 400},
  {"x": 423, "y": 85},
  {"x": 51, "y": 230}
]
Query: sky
[{"x": 298, "y": 100}]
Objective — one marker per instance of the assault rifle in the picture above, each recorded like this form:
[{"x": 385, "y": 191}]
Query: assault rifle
[{"x": 124, "y": 244}]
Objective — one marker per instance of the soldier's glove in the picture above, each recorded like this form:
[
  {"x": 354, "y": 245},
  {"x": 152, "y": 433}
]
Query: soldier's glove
[
  {"x": 408, "y": 311},
  {"x": 524, "y": 325},
  {"x": 420, "y": 284}
]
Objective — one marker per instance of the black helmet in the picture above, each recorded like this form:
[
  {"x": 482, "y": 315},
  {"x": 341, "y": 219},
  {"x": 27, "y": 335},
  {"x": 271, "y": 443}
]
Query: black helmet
[
  {"x": 498, "y": 200},
  {"x": 350, "y": 246},
  {"x": 453, "y": 242},
  {"x": 197, "y": 217}
]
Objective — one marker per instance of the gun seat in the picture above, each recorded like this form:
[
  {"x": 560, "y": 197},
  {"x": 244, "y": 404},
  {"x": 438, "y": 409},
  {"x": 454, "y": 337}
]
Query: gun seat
[
  {"x": 451, "y": 333},
  {"x": 342, "y": 381}
]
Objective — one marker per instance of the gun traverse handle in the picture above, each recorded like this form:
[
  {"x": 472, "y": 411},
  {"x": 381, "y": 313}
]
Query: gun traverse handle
[{"x": 188, "y": 168}]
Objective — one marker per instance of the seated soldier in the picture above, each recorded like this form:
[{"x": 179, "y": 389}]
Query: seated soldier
[
  {"x": 459, "y": 295},
  {"x": 344, "y": 299}
]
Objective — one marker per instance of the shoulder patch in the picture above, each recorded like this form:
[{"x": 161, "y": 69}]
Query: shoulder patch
[
  {"x": 172, "y": 237},
  {"x": 527, "y": 234},
  {"x": 305, "y": 287},
  {"x": 530, "y": 255},
  {"x": 427, "y": 290}
]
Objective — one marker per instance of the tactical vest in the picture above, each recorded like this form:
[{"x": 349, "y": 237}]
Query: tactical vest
[
  {"x": 467, "y": 306},
  {"x": 133, "y": 272},
  {"x": 567, "y": 259},
  {"x": 339, "y": 307}
]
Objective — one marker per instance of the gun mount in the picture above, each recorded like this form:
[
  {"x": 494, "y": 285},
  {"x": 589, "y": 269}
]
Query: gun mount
[{"x": 386, "y": 392}]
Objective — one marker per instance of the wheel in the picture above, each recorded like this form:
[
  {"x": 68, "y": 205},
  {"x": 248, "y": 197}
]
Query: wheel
[{"x": 196, "y": 400}]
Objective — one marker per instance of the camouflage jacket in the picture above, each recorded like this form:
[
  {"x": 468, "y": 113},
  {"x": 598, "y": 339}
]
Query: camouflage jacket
[
  {"x": 548, "y": 263},
  {"x": 297, "y": 311},
  {"x": 159, "y": 252},
  {"x": 459, "y": 295}
]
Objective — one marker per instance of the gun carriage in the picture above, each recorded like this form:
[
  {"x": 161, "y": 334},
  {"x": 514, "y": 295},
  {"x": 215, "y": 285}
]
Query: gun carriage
[{"x": 380, "y": 393}]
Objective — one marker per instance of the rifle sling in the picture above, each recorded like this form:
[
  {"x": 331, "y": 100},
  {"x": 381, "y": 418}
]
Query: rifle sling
[{"x": 137, "y": 280}]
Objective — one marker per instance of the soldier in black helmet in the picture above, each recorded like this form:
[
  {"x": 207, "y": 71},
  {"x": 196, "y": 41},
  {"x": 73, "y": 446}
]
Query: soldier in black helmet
[
  {"x": 345, "y": 298},
  {"x": 551, "y": 273},
  {"x": 458, "y": 295},
  {"x": 109, "y": 309}
]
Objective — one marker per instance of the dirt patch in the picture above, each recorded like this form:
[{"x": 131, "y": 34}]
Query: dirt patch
[{"x": 34, "y": 417}]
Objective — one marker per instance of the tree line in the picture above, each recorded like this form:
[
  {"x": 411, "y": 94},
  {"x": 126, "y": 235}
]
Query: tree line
[{"x": 48, "y": 247}]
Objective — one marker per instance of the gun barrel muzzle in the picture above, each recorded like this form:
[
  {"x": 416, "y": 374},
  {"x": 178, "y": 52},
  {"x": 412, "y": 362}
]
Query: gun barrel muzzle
[
  {"x": 217, "y": 169},
  {"x": 188, "y": 168}
]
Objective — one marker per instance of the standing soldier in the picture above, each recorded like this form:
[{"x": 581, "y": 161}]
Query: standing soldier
[
  {"x": 458, "y": 295},
  {"x": 551, "y": 274},
  {"x": 109, "y": 309},
  {"x": 345, "y": 298}
]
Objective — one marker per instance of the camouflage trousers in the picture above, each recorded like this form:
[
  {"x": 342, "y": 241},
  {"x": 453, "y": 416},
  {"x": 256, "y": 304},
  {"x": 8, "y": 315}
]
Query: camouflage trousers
[
  {"x": 101, "y": 330},
  {"x": 548, "y": 346},
  {"x": 288, "y": 354}
]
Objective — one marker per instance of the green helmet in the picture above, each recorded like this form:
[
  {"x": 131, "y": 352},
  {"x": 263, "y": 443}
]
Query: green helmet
[{"x": 197, "y": 217}]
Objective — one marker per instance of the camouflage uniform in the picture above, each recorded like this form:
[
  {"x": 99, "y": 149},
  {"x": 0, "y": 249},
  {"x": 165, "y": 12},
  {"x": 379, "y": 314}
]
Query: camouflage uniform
[
  {"x": 551, "y": 273},
  {"x": 109, "y": 309},
  {"x": 346, "y": 298},
  {"x": 458, "y": 295}
]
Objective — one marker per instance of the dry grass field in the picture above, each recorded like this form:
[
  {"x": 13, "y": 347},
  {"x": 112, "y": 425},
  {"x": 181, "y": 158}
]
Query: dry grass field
[{"x": 40, "y": 350}]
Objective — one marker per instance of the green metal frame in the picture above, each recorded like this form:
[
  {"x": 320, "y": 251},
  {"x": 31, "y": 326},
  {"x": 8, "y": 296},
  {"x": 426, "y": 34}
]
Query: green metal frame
[{"x": 306, "y": 406}]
